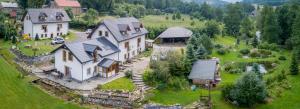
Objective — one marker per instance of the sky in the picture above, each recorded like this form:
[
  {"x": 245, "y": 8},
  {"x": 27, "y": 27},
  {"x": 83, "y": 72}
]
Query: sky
[{"x": 232, "y": 1}]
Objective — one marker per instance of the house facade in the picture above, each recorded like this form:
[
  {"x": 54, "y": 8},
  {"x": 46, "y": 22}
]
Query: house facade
[
  {"x": 84, "y": 60},
  {"x": 128, "y": 34},
  {"x": 45, "y": 23},
  {"x": 73, "y": 4}
]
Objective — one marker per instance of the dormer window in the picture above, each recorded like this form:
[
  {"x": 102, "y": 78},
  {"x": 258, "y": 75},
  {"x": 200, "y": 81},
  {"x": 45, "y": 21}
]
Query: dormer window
[
  {"x": 59, "y": 16},
  {"x": 42, "y": 16}
]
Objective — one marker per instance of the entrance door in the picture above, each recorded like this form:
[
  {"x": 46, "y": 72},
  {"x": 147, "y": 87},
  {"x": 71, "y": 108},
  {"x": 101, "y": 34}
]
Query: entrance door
[{"x": 67, "y": 71}]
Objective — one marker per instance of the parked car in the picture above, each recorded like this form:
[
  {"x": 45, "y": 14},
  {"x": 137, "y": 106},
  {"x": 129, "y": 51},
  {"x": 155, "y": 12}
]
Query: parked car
[
  {"x": 57, "y": 40},
  {"x": 88, "y": 31}
]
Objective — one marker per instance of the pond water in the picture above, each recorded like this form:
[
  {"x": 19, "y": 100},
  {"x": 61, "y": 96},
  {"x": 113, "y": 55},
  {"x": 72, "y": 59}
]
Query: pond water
[{"x": 262, "y": 68}]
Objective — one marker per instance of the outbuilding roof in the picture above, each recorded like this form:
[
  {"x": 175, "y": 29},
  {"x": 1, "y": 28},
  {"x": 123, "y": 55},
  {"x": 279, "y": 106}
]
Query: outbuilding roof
[
  {"x": 50, "y": 14},
  {"x": 68, "y": 3},
  {"x": 9, "y": 5},
  {"x": 204, "y": 70},
  {"x": 116, "y": 26},
  {"x": 176, "y": 32},
  {"x": 81, "y": 50}
]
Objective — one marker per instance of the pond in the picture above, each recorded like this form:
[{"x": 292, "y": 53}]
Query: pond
[{"x": 262, "y": 68}]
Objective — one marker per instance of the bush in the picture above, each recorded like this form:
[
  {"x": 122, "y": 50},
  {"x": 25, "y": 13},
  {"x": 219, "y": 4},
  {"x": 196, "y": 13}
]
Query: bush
[
  {"x": 282, "y": 58},
  {"x": 226, "y": 89},
  {"x": 128, "y": 74},
  {"x": 268, "y": 46},
  {"x": 218, "y": 46},
  {"x": 245, "y": 51},
  {"x": 221, "y": 51}
]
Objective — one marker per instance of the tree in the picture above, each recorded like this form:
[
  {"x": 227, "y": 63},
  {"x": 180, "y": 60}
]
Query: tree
[
  {"x": 233, "y": 19},
  {"x": 178, "y": 15},
  {"x": 173, "y": 17},
  {"x": 206, "y": 42},
  {"x": 23, "y": 3},
  {"x": 190, "y": 56},
  {"x": 296, "y": 33},
  {"x": 35, "y": 3},
  {"x": 294, "y": 67},
  {"x": 247, "y": 91},
  {"x": 255, "y": 42},
  {"x": 69, "y": 12},
  {"x": 256, "y": 69},
  {"x": 271, "y": 29},
  {"x": 91, "y": 16},
  {"x": 212, "y": 28},
  {"x": 285, "y": 23},
  {"x": 14, "y": 39},
  {"x": 201, "y": 52},
  {"x": 246, "y": 28}
]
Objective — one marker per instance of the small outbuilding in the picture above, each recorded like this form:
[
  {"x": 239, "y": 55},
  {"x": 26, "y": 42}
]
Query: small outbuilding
[
  {"x": 174, "y": 35},
  {"x": 205, "y": 72}
]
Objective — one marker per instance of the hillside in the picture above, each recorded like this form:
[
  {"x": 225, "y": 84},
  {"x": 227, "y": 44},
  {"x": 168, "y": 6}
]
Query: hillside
[
  {"x": 217, "y": 3},
  {"x": 17, "y": 93}
]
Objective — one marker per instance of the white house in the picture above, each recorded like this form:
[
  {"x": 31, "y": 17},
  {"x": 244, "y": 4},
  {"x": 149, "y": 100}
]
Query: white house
[
  {"x": 87, "y": 59},
  {"x": 128, "y": 34},
  {"x": 45, "y": 23}
]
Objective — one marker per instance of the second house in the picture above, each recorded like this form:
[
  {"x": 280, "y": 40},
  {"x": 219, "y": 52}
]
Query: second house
[{"x": 45, "y": 23}]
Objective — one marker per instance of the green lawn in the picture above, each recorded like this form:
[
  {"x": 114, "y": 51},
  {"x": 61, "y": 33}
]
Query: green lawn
[
  {"x": 43, "y": 46},
  {"x": 160, "y": 20},
  {"x": 119, "y": 84},
  {"x": 16, "y": 93}
]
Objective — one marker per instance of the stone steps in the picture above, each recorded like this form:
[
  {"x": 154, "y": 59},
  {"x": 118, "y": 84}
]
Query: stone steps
[{"x": 137, "y": 79}]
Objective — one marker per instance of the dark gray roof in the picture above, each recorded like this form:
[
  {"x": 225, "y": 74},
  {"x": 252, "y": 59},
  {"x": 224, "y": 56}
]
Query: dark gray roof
[
  {"x": 176, "y": 32},
  {"x": 50, "y": 13},
  {"x": 115, "y": 26},
  {"x": 81, "y": 49},
  {"x": 9, "y": 5},
  {"x": 106, "y": 63},
  {"x": 203, "y": 69}
]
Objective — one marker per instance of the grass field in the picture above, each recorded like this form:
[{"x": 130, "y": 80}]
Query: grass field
[
  {"x": 161, "y": 21},
  {"x": 17, "y": 93},
  {"x": 119, "y": 84},
  {"x": 288, "y": 100}
]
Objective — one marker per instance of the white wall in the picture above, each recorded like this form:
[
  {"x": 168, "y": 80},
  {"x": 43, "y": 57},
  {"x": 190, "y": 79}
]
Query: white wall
[
  {"x": 133, "y": 47},
  {"x": 121, "y": 45},
  {"x": 103, "y": 29},
  {"x": 52, "y": 29},
  {"x": 27, "y": 25},
  {"x": 75, "y": 66}
]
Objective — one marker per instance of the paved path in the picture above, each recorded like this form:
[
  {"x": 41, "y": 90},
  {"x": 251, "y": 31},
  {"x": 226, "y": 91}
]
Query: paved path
[{"x": 82, "y": 36}]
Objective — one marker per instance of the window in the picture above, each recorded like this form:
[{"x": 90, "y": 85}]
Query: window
[
  {"x": 64, "y": 55},
  {"x": 57, "y": 34},
  {"x": 139, "y": 42},
  {"x": 127, "y": 46},
  {"x": 59, "y": 26},
  {"x": 44, "y": 28},
  {"x": 70, "y": 57},
  {"x": 100, "y": 33},
  {"x": 46, "y": 35},
  {"x": 61, "y": 34},
  {"x": 106, "y": 33},
  {"x": 42, "y": 35},
  {"x": 95, "y": 69},
  {"x": 88, "y": 71},
  {"x": 125, "y": 56}
]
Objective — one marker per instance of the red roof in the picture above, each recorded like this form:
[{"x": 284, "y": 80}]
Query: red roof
[{"x": 68, "y": 3}]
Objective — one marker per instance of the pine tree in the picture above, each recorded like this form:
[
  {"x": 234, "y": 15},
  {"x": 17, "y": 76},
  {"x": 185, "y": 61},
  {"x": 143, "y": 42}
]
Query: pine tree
[
  {"x": 296, "y": 32},
  {"x": 255, "y": 69},
  {"x": 294, "y": 68},
  {"x": 255, "y": 42},
  {"x": 190, "y": 56},
  {"x": 201, "y": 52}
]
